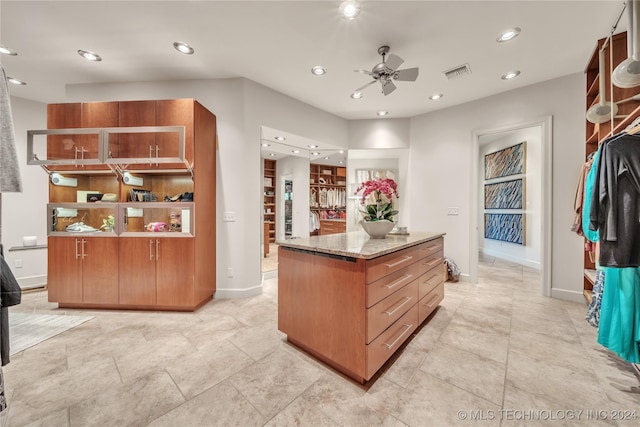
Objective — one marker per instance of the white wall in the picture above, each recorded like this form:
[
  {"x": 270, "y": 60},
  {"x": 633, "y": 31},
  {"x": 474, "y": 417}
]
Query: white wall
[
  {"x": 441, "y": 144},
  {"x": 296, "y": 169},
  {"x": 379, "y": 133},
  {"x": 241, "y": 107},
  {"x": 529, "y": 253},
  {"x": 24, "y": 214}
]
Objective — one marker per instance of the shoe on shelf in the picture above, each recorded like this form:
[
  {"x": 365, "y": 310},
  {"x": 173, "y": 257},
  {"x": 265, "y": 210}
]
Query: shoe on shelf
[{"x": 80, "y": 227}]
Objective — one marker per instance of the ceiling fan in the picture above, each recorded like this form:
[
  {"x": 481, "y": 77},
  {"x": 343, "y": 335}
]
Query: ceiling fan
[{"x": 387, "y": 71}]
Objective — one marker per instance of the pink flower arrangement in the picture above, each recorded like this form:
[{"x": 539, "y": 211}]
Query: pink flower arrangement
[{"x": 381, "y": 191}]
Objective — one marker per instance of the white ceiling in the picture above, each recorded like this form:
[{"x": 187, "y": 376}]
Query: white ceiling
[{"x": 276, "y": 43}]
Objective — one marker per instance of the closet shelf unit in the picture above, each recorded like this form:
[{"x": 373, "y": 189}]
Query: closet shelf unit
[
  {"x": 324, "y": 177},
  {"x": 269, "y": 202},
  {"x": 615, "y": 51}
]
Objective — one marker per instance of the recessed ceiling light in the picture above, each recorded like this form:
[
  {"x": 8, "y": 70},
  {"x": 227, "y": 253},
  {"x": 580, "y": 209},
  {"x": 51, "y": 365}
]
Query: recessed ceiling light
[
  {"x": 319, "y": 70},
  {"x": 436, "y": 96},
  {"x": 510, "y": 75},
  {"x": 315, "y": 153},
  {"x": 349, "y": 8},
  {"x": 356, "y": 95},
  {"x": 341, "y": 162},
  {"x": 295, "y": 151},
  {"x": 509, "y": 34},
  {"x": 264, "y": 144},
  {"x": 341, "y": 151},
  {"x": 183, "y": 48},
  {"x": 312, "y": 146},
  {"x": 15, "y": 81},
  {"x": 7, "y": 51},
  {"x": 89, "y": 56},
  {"x": 382, "y": 113},
  {"x": 326, "y": 158},
  {"x": 279, "y": 138},
  {"x": 272, "y": 154}
]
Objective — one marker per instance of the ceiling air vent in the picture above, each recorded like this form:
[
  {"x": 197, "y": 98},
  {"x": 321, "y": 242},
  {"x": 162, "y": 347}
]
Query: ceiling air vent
[{"x": 457, "y": 72}]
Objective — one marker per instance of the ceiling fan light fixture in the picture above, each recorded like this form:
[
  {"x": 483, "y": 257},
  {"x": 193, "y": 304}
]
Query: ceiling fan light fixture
[
  {"x": 183, "y": 48},
  {"x": 89, "y": 56},
  {"x": 356, "y": 95},
  {"x": 319, "y": 70},
  {"x": 349, "y": 9},
  {"x": 509, "y": 34},
  {"x": 510, "y": 75},
  {"x": 382, "y": 113},
  {"x": 16, "y": 81},
  {"x": 7, "y": 51},
  {"x": 436, "y": 96}
]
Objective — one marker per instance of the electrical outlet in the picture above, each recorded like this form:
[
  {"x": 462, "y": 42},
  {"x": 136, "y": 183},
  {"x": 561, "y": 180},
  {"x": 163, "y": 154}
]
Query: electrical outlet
[
  {"x": 229, "y": 272},
  {"x": 18, "y": 263},
  {"x": 229, "y": 216},
  {"x": 453, "y": 211}
]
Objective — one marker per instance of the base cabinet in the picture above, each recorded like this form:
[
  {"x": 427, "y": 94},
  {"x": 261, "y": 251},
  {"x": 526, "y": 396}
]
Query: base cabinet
[
  {"x": 156, "y": 272},
  {"x": 83, "y": 270},
  {"x": 352, "y": 313}
]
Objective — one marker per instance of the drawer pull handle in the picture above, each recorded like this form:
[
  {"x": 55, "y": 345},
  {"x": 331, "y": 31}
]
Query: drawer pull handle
[
  {"x": 432, "y": 301},
  {"x": 405, "y": 259},
  {"x": 390, "y": 346},
  {"x": 397, "y": 282},
  {"x": 406, "y": 300},
  {"x": 436, "y": 276},
  {"x": 434, "y": 262}
]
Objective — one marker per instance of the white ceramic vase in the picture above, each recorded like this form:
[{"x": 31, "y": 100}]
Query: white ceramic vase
[{"x": 377, "y": 229}]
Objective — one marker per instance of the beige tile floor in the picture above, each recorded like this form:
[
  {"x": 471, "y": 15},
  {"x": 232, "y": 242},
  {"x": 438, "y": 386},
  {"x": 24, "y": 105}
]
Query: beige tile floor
[{"x": 496, "y": 350}]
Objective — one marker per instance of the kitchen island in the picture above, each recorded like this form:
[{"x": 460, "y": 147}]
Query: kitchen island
[{"x": 352, "y": 301}]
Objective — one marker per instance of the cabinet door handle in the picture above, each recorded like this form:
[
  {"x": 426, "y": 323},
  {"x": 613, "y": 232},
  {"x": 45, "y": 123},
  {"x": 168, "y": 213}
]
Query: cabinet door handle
[
  {"x": 405, "y": 259},
  {"x": 157, "y": 150},
  {"x": 77, "y": 253},
  {"x": 406, "y": 300},
  {"x": 408, "y": 327},
  {"x": 157, "y": 249},
  {"x": 150, "y": 154},
  {"x": 397, "y": 282},
  {"x": 150, "y": 250},
  {"x": 83, "y": 243}
]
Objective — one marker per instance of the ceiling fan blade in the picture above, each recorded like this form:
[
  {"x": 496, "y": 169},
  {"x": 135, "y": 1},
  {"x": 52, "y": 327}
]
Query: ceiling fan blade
[
  {"x": 388, "y": 87},
  {"x": 407, "y": 75},
  {"x": 393, "y": 61},
  {"x": 364, "y": 72},
  {"x": 368, "y": 84}
]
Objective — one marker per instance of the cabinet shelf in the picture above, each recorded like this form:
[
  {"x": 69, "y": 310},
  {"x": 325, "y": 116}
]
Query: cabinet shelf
[{"x": 269, "y": 175}]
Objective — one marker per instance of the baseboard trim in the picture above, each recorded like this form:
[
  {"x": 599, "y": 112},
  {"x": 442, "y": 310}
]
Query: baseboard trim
[
  {"x": 506, "y": 257},
  {"x": 32, "y": 282},
  {"x": 269, "y": 275},
  {"x": 567, "y": 295},
  {"x": 238, "y": 293}
]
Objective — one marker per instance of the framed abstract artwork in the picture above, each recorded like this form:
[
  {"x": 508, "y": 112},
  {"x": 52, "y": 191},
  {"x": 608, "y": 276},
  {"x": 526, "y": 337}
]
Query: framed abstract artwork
[
  {"x": 504, "y": 195},
  {"x": 505, "y": 162},
  {"x": 504, "y": 227}
]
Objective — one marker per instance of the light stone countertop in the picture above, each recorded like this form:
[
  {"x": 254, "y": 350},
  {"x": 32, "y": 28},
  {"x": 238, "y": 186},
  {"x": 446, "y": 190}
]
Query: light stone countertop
[{"x": 357, "y": 244}]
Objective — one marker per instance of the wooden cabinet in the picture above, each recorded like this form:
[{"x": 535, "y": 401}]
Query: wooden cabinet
[
  {"x": 83, "y": 150},
  {"x": 354, "y": 313},
  {"x": 156, "y": 271},
  {"x": 83, "y": 270},
  {"x": 328, "y": 198},
  {"x": 140, "y": 266},
  {"x": 269, "y": 184}
]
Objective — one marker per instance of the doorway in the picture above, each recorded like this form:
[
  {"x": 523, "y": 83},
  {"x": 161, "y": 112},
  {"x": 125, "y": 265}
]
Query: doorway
[{"x": 538, "y": 207}]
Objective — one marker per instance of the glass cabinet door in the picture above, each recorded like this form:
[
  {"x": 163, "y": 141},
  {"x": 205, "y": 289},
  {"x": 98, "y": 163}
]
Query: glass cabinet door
[{"x": 165, "y": 219}]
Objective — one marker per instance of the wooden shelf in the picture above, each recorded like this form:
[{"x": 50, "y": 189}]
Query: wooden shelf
[
  {"x": 590, "y": 275},
  {"x": 269, "y": 171}
]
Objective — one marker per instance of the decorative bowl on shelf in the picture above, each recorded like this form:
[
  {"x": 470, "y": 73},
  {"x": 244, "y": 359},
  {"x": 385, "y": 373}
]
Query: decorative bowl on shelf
[{"x": 377, "y": 229}]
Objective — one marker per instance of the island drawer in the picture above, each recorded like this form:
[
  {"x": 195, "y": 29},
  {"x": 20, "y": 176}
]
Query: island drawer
[
  {"x": 383, "y": 314},
  {"x": 431, "y": 247},
  {"x": 432, "y": 261},
  {"x": 383, "y": 347},
  {"x": 390, "y": 283},
  {"x": 429, "y": 303},
  {"x": 429, "y": 281},
  {"x": 379, "y": 267}
]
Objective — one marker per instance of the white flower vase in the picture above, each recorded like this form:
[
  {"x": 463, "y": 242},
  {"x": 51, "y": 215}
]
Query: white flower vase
[{"x": 377, "y": 229}]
